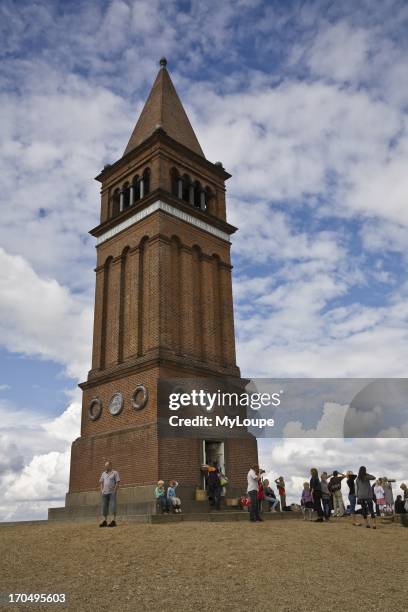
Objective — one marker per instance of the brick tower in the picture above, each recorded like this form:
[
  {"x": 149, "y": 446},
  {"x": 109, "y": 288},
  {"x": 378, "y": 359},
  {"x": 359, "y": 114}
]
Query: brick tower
[{"x": 163, "y": 308}]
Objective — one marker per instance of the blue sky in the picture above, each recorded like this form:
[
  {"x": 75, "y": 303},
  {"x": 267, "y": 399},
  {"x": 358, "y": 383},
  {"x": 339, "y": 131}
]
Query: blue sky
[{"x": 305, "y": 103}]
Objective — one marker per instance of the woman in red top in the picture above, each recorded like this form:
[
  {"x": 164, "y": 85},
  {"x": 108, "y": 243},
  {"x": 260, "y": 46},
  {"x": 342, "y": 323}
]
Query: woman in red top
[{"x": 260, "y": 495}]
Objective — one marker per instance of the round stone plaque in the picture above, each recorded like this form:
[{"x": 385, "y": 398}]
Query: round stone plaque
[
  {"x": 139, "y": 397},
  {"x": 116, "y": 404},
  {"x": 95, "y": 409}
]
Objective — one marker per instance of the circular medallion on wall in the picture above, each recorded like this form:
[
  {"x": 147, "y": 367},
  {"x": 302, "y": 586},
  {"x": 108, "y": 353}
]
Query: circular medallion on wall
[
  {"x": 116, "y": 404},
  {"x": 95, "y": 409},
  {"x": 139, "y": 397}
]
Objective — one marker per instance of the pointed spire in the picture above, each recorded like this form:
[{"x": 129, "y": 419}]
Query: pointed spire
[{"x": 164, "y": 109}]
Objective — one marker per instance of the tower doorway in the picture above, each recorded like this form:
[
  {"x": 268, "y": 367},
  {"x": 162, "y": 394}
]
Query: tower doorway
[{"x": 213, "y": 451}]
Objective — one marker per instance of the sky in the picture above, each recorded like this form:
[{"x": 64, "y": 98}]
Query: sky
[{"x": 305, "y": 103}]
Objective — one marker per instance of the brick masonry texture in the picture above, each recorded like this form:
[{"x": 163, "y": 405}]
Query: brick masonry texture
[{"x": 163, "y": 309}]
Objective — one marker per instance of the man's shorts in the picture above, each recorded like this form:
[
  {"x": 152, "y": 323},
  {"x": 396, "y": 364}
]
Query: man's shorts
[{"x": 108, "y": 503}]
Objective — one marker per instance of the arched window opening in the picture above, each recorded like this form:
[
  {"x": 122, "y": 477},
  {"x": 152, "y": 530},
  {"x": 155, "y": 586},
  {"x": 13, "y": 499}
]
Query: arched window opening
[
  {"x": 197, "y": 194},
  {"x": 126, "y": 196},
  {"x": 136, "y": 188},
  {"x": 205, "y": 198},
  {"x": 175, "y": 178},
  {"x": 146, "y": 183},
  {"x": 186, "y": 188},
  {"x": 115, "y": 202}
]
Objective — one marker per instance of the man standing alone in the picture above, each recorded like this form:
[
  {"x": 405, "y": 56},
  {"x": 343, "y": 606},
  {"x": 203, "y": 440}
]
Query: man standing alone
[
  {"x": 253, "y": 478},
  {"x": 109, "y": 482}
]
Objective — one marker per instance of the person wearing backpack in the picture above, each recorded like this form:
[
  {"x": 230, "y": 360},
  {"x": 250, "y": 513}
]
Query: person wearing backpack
[
  {"x": 214, "y": 486},
  {"x": 335, "y": 490}
]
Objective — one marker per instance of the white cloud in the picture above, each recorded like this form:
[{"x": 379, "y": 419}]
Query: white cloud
[
  {"x": 331, "y": 424},
  {"x": 44, "y": 478},
  {"x": 339, "y": 52},
  {"x": 10, "y": 458},
  {"x": 66, "y": 426},
  {"x": 395, "y": 432},
  {"x": 305, "y": 140},
  {"x": 40, "y": 317},
  {"x": 34, "y": 460}
]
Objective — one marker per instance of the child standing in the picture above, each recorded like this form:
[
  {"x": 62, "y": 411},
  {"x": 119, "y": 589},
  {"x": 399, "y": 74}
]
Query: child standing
[
  {"x": 388, "y": 495},
  {"x": 172, "y": 498},
  {"x": 306, "y": 501},
  {"x": 379, "y": 495},
  {"x": 281, "y": 490}
]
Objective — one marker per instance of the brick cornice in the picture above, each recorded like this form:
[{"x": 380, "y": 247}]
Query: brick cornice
[
  {"x": 157, "y": 137},
  {"x": 156, "y": 359}
]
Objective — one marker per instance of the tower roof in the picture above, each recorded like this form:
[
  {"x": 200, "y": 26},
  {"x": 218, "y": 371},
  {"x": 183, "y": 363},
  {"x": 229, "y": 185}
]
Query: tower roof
[{"x": 164, "y": 109}]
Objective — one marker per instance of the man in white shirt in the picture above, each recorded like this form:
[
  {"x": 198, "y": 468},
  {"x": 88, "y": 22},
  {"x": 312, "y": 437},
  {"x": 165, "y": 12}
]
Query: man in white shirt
[
  {"x": 253, "y": 479},
  {"x": 109, "y": 482}
]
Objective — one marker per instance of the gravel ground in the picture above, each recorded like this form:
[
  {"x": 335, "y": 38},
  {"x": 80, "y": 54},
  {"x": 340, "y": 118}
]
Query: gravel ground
[{"x": 279, "y": 566}]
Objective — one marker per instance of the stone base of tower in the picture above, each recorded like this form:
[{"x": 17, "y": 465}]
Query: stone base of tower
[{"x": 142, "y": 458}]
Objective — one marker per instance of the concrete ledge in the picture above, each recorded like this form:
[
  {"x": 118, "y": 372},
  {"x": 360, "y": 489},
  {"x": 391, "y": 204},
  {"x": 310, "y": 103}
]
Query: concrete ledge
[
  {"x": 68, "y": 512},
  {"x": 126, "y": 495}
]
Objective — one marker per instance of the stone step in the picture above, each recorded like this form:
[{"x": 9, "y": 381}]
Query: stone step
[
  {"x": 157, "y": 519},
  {"x": 221, "y": 516}
]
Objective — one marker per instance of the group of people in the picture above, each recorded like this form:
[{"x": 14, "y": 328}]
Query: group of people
[
  {"x": 259, "y": 491},
  {"x": 375, "y": 496},
  {"x": 323, "y": 495},
  {"x": 109, "y": 482},
  {"x": 215, "y": 479},
  {"x": 167, "y": 498}
]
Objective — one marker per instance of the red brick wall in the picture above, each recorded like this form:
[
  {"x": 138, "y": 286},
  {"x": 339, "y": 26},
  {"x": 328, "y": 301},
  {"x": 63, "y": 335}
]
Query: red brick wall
[
  {"x": 163, "y": 295},
  {"x": 133, "y": 452},
  {"x": 240, "y": 454}
]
